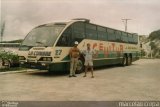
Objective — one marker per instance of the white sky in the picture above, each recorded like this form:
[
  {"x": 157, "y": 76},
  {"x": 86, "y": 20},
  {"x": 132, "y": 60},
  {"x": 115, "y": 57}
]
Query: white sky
[{"x": 22, "y": 15}]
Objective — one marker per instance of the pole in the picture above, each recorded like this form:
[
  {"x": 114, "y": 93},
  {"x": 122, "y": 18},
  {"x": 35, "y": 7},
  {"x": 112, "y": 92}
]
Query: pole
[
  {"x": 125, "y": 22},
  {"x": 2, "y": 30},
  {"x": 151, "y": 54}
]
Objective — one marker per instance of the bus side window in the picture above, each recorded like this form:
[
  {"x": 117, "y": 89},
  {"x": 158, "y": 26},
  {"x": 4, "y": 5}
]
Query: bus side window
[
  {"x": 78, "y": 32},
  {"x": 111, "y": 34},
  {"x": 91, "y": 31},
  {"x": 64, "y": 39},
  {"x": 124, "y": 37}
]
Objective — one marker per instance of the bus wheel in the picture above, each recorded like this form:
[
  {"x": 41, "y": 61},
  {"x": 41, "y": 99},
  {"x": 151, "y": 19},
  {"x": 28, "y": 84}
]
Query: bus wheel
[
  {"x": 129, "y": 60},
  {"x": 80, "y": 66},
  {"x": 124, "y": 61}
]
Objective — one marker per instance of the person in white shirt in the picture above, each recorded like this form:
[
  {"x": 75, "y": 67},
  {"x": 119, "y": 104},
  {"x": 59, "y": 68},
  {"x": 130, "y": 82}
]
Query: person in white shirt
[{"x": 88, "y": 55}]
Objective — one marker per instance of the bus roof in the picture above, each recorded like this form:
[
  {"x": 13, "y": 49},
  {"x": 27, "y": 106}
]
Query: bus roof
[{"x": 80, "y": 20}]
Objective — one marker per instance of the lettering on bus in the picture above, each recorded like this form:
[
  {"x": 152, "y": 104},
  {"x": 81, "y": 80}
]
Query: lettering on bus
[
  {"x": 108, "y": 48},
  {"x": 40, "y": 53}
]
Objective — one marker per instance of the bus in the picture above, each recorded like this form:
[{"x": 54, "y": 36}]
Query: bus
[{"x": 47, "y": 46}]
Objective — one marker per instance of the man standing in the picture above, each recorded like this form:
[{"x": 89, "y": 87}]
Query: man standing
[
  {"x": 74, "y": 55},
  {"x": 88, "y": 54}
]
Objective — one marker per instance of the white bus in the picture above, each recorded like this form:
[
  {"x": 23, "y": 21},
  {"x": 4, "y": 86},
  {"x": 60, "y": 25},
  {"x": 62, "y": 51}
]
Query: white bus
[{"x": 47, "y": 46}]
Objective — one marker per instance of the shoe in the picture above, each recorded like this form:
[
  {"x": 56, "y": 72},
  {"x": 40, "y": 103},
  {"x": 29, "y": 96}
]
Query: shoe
[
  {"x": 70, "y": 76},
  {"x": 74, "y": 76},
  {"x": 84, "y": 76},
  {"x": 92, "y": 77}
]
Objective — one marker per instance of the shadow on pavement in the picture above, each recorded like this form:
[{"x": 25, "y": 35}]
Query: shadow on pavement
[
  {"x": 46, "y": 73},
  {"x": 62, "y": 73}
]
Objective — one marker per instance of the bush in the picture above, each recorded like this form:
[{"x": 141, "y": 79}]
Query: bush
[{"x": 8, "y": 58}]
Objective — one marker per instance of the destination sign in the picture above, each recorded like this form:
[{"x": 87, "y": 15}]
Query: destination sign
[{"x": 39, "y": 53}]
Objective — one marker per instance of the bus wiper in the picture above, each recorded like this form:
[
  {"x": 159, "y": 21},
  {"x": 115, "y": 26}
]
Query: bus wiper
[
  {"x": 26, "y": 45},
  {"x": 41, "y": 43}
]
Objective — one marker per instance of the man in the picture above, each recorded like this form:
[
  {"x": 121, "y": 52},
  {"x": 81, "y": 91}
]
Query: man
[
  {"x": 88, "y": 54},
  {"x": 74, "y": 55}
]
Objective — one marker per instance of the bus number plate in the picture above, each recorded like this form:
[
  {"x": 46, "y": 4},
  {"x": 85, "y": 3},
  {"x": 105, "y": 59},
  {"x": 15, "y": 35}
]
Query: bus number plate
[{"x": 58, "y": 52}]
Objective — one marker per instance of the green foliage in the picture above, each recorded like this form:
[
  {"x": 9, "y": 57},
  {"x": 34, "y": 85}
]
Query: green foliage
[
  {"x": 154, "y": 40},
  {"x": 153, "y": 45},
  {"x": 8, "y": 55},
  {"x": 155, "y": 35},
  {"x": 143, "y": 53},
  {"x": 12, "y": 69}
]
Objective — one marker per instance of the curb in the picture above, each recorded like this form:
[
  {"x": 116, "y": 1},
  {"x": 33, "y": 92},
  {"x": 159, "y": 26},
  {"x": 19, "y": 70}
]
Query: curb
[{"x": 9, "y": 72}]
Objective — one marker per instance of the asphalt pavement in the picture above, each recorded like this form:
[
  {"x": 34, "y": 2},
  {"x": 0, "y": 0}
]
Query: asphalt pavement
[{"x": 140, "y": 81}]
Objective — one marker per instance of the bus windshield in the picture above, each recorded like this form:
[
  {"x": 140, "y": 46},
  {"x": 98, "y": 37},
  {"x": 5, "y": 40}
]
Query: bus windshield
[{"x": 43, "y": 35}]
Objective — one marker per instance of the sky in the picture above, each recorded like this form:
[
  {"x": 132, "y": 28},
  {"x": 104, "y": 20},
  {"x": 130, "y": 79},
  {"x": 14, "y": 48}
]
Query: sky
[{"x": 21, "y": 16}]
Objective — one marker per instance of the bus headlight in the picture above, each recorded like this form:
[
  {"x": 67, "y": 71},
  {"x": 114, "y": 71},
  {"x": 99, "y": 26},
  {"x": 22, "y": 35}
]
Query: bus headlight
[
  {"x": 49, "y": 59},
  {"x": 22, "y": 58},
  {"x": 45, "y": 59}
]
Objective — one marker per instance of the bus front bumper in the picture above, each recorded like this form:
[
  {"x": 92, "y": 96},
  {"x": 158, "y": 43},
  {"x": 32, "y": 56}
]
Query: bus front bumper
[{"x": 35, "y": 65}]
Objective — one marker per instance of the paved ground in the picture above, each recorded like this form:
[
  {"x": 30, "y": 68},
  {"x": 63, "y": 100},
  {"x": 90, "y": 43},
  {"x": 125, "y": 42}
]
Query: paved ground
[{"x": 139, "y": 81}]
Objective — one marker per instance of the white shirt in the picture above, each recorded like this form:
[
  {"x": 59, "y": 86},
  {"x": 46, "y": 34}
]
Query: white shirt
[{"x": 88, "y": 54}]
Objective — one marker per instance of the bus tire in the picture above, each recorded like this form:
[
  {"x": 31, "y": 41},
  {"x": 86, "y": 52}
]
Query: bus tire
[
  {"x": 80, "y": 66},
  {"x": 124, "y": 60},
  {"x": 129, "y": 60}
]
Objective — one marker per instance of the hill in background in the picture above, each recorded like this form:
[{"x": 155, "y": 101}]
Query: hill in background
[
  {"x": 154, "y": 35},
  {"x": 153, "y": 42},
  {"x": 154, "y": 38}
]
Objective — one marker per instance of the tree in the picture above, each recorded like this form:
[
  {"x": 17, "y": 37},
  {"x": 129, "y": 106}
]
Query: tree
[{"x": 154, "y": 35}]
